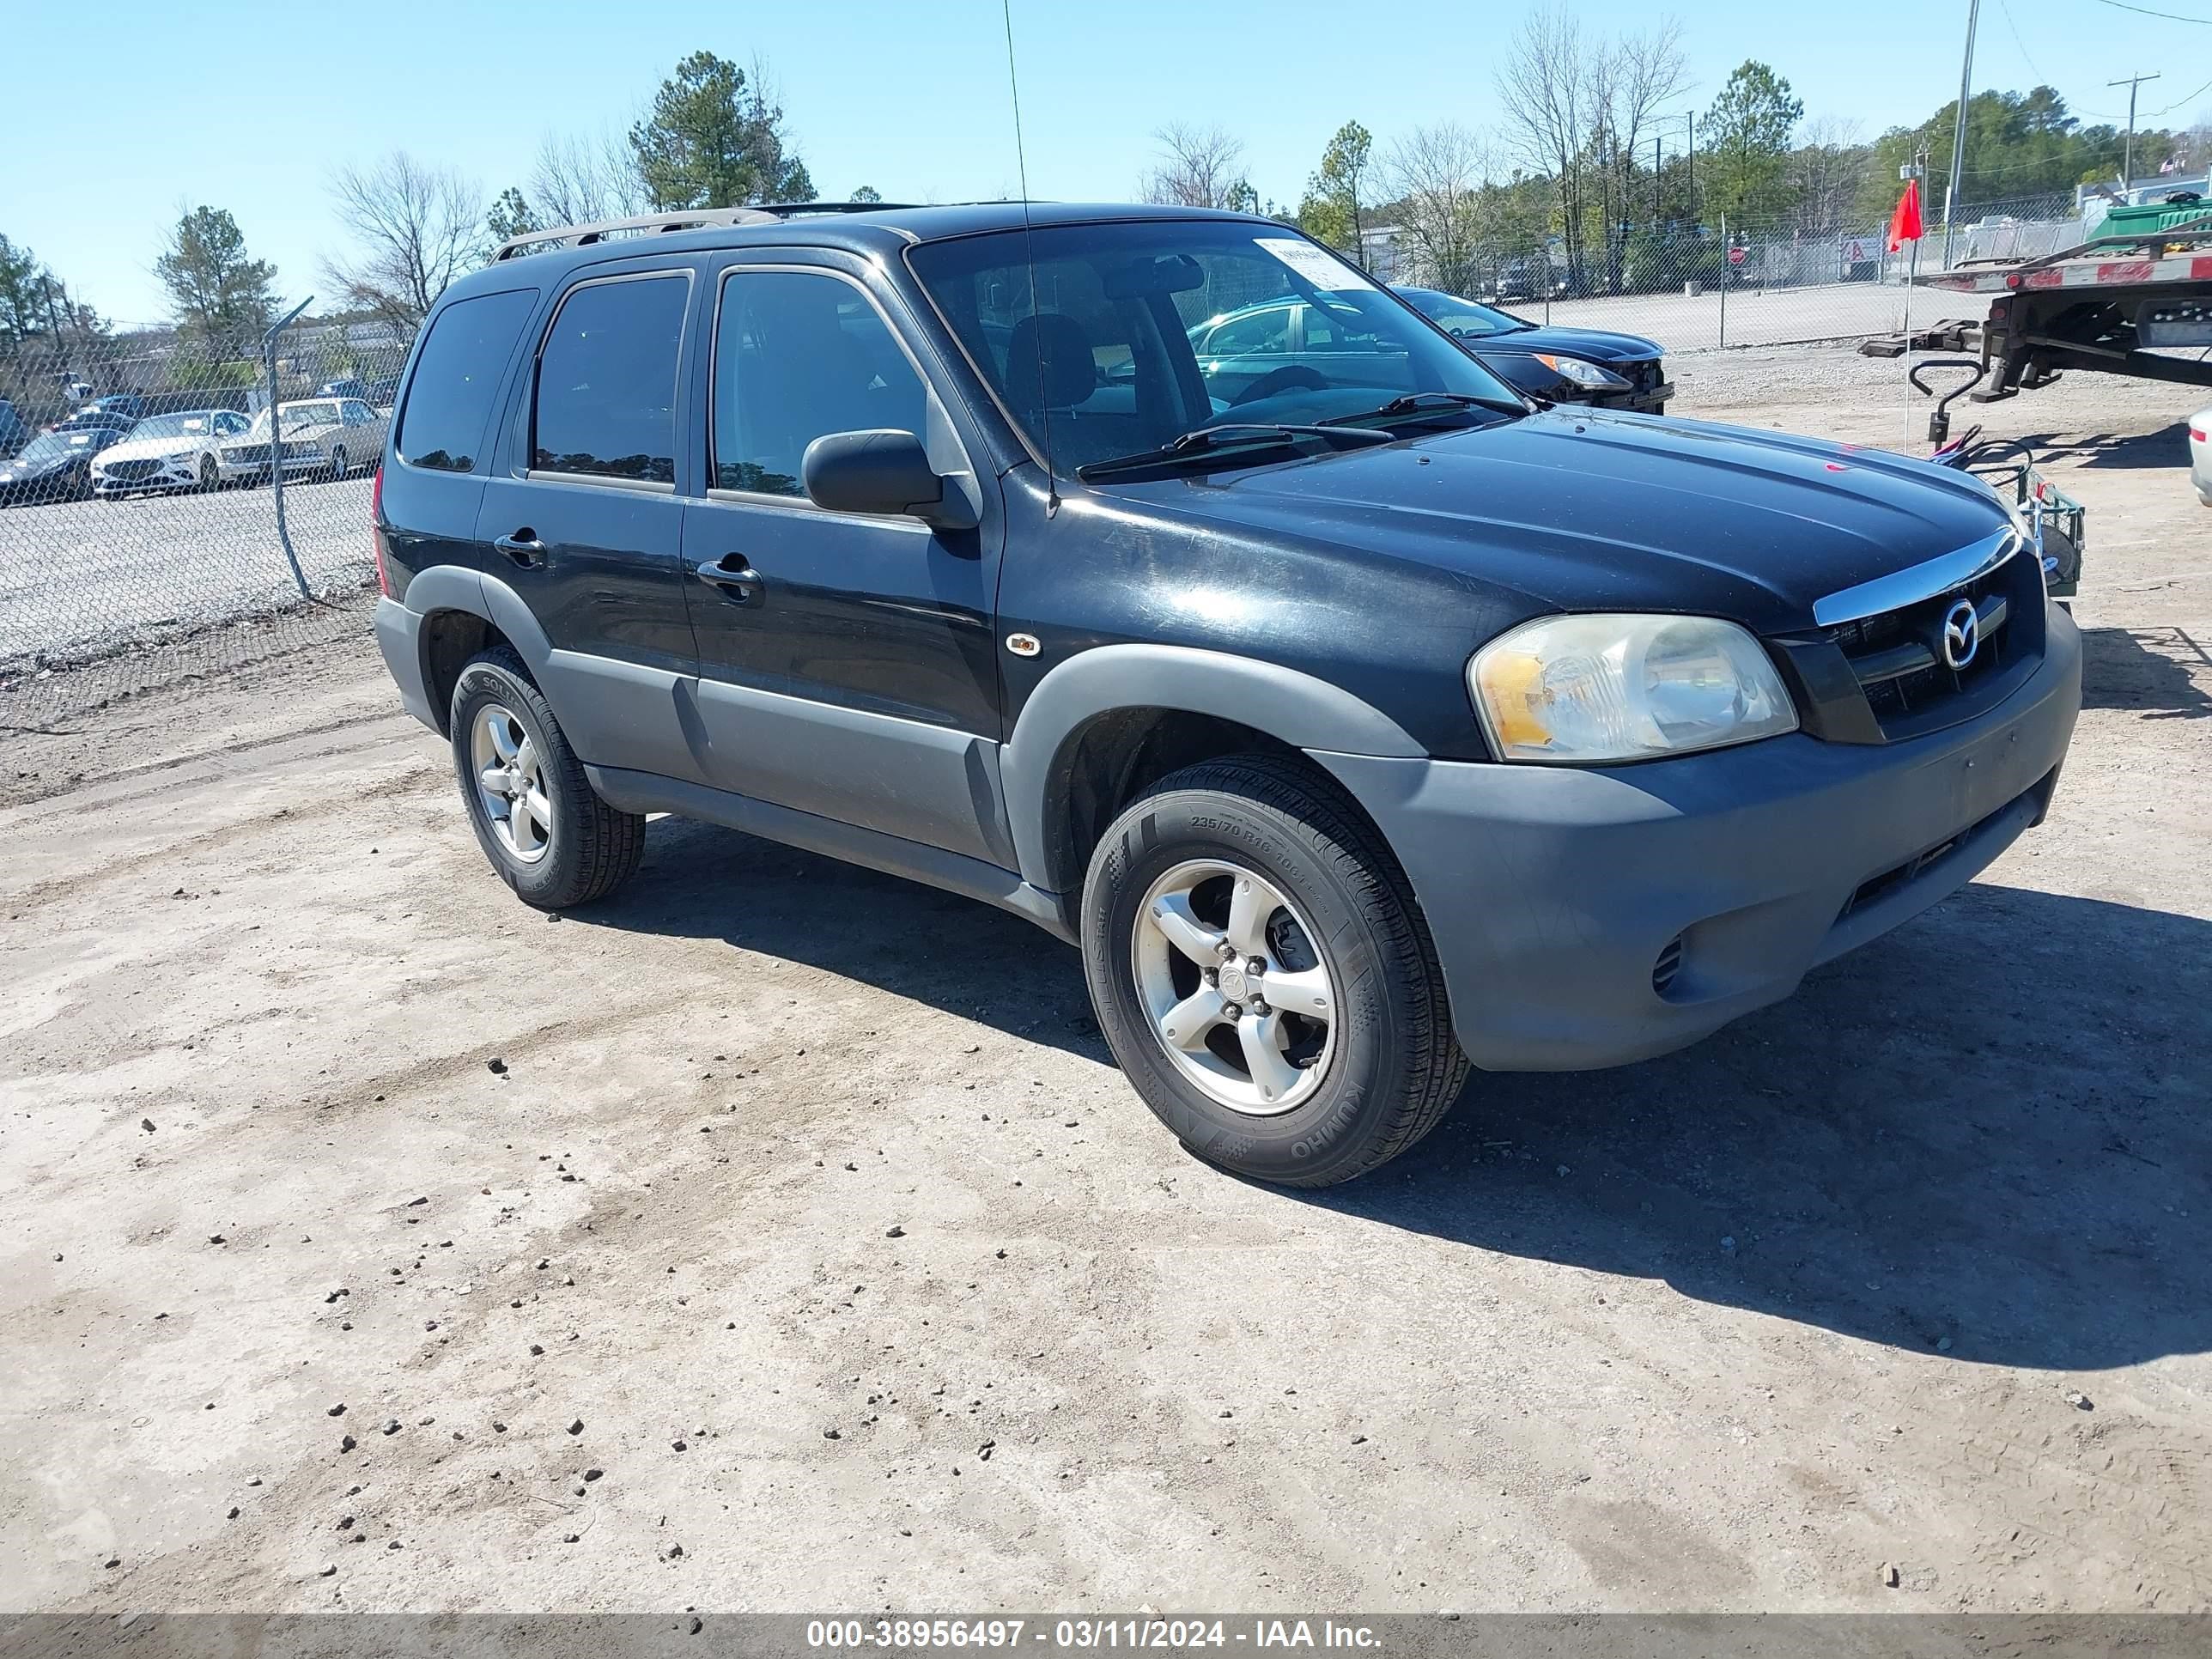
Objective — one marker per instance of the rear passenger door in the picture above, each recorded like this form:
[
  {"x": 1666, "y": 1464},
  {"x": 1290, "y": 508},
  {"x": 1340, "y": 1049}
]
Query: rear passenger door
[
  {"x": 582, "y": 519},
  {"x": 435, "y": 482},
  {"x": 846, "y": 666}
]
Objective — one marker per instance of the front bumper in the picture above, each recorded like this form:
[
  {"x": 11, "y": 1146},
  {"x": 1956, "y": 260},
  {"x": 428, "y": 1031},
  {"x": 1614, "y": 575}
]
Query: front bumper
[
  {"x": 1551, "y": 892},
  {"x": 170, "y": 475},
  {"x": 1642, "y": 400},
  {"x": 257, "y": 471}
]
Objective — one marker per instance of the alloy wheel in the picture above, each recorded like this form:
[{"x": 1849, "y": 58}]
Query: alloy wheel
[
  {"x": 511, "y": 783},
  {"x": 1238, "y": 995}
]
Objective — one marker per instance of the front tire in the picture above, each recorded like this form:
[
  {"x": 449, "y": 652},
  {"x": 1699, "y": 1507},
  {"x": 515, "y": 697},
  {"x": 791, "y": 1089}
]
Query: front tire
[
  {"x": 1263, "y": 977},
  {"x": 339, "y": 465},
  {"x": 540, "y": 822}
]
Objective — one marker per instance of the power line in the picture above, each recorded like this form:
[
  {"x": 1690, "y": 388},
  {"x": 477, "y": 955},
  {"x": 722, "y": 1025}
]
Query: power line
[
  {"x": 2032, "y": 68},
  {"x": 2189, "y": 98},
  {"x": 2170, "y": 16}
]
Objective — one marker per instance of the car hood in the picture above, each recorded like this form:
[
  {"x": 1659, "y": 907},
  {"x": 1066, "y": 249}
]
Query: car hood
[
  {"x": 154, "y": 449},
  {"x": 1587, "y": 511},
  {"x": 1596, "y": 344}
]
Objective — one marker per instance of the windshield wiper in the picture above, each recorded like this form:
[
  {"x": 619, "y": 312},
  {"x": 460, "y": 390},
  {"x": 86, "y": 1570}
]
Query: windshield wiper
[
  {"x": 1428, "y": 403},
  {"x": 1238, "y": 435}
]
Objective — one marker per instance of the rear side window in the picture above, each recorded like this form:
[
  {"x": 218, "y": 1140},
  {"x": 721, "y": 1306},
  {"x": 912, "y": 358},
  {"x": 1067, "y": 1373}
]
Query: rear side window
[
  {"x": 457, "y": 376},
  {"x": 605, "y": 406}
]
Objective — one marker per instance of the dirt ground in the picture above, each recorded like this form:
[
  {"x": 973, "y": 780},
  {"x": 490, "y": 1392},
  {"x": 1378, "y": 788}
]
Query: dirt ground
[{"x": 781, "y": 1236}]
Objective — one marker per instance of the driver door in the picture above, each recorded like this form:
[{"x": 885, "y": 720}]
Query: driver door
[{"x": 846, "y": 662}]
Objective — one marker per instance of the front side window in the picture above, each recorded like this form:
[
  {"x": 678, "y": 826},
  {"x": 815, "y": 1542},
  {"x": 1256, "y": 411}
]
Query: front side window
[
  {"x": 799, "y": 355},
  {"x": 605, "y": 406},
  {"x": 457, "y": 375}
]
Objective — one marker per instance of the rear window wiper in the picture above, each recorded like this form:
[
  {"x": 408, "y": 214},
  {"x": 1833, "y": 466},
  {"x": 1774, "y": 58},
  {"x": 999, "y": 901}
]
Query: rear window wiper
[
  {"x": 1238, "y": 435},
  {"x": 1428, "y": 402}
]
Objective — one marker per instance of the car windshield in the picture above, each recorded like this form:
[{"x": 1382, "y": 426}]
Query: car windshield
[
  {"x": 54, "y": 445},
  {"x": 1465, "y": 317},
  {"x": 299, "y": 417},
  {"x": 1143, "y": 330},
  {"x": 197, "y": 425}
]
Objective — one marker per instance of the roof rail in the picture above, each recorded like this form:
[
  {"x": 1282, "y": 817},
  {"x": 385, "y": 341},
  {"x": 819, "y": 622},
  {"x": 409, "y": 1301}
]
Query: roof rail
[
  {"x": 789, "y": 210},
  {"x": 643, "y": 224}
]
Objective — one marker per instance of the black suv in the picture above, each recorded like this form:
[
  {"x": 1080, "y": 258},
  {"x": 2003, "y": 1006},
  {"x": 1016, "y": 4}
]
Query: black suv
[{"x": 1361, "y": 724}]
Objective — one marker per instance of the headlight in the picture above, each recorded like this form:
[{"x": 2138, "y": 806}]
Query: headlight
[
  {"x": 1590, "y": 691},
  {"x": 1576, "y": 371}
]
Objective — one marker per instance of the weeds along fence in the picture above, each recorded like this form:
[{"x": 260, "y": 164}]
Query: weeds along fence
[
  {"x": 1770, "y": 280},
  {"x": 142, "y": 536}
]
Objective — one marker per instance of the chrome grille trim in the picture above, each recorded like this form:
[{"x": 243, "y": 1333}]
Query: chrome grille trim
[{"x": 1916, "y": 582}]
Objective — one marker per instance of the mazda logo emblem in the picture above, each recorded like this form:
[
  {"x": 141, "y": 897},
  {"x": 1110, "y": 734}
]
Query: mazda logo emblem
[{"x": 1962, "y": 634}]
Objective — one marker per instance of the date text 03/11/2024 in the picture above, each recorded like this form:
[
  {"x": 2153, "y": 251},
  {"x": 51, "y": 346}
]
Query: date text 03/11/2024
[{"x": 896, "y": 1635}]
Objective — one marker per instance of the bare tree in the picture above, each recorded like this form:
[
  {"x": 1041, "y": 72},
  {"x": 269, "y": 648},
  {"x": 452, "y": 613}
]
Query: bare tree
[
  {"x": 1826, "y": 168},
  {"x": 415, "y": 227},
  {"x": 581, "y": 179},
  {"x": 1436, "y": 174},
  {"x": 1643, "y": 72},
  {"x": 1544, "y": 85},
  {"x": 1578, "y": 110},
  {"x": 1199, "y": 166}
]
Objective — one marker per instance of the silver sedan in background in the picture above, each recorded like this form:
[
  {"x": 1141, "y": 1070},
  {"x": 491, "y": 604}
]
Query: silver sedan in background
[{"x": 320, "y": 437}]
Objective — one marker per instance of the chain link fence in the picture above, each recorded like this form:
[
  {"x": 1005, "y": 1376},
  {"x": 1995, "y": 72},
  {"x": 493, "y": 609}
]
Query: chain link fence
[
  {"x": 1769, "y": 280},
  {"x": 143, "y": 540},
  {"x": 156, "y": 523}
]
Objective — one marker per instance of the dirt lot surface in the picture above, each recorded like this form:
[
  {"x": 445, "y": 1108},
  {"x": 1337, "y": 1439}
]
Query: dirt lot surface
[{"x": 368, "y": 1240}]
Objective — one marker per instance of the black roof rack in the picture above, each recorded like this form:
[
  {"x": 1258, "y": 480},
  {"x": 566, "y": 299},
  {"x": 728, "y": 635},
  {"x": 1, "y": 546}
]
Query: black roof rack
[{"x": 656, "y": 224}]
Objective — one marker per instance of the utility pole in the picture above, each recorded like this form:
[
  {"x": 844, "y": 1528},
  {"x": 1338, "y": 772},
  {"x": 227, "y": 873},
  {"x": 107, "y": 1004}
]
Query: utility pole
[
  {"x": 1689, "y": 158},
  {"x": 2128, "y": 154},
  {"x": 1959, "y": 134}
]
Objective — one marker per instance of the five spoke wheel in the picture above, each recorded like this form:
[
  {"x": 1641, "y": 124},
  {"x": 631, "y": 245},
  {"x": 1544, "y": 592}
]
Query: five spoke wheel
[
  {"x": 510, "y": 778},
  {"x": 1237, "y": 991}
]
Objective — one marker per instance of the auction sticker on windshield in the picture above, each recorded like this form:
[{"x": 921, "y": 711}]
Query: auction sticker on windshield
[{"x": 1317, "y": 266}]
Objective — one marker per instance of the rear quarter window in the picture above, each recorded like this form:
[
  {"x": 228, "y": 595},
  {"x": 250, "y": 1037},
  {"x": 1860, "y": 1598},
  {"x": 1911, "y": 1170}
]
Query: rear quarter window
[{"x": 456, "y": 378}]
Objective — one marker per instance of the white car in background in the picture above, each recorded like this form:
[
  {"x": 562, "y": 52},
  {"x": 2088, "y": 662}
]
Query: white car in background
[
  {"x": 166, "y": 452},
  {"x": 2200, "y": 454},
  {"x": 320, "y": 437}
]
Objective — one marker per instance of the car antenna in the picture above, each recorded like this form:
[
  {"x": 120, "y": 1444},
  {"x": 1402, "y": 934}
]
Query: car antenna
[{"x": 1028, "y": 244}]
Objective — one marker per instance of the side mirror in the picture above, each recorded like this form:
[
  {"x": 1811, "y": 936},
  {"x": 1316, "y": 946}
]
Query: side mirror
[{"x": 883, "y": 471}]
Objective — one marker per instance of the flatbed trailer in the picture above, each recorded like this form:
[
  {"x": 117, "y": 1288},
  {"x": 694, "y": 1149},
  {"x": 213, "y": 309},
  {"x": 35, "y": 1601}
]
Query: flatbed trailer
[{"x": 2112, "y": 304}]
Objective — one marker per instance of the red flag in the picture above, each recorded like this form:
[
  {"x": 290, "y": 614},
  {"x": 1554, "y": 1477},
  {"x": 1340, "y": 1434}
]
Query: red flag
[{"x": 1905, "y": 223}]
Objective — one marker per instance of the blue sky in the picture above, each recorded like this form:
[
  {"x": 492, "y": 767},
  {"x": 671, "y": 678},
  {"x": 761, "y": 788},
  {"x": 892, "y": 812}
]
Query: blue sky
[{"x": 248, "y": 105}]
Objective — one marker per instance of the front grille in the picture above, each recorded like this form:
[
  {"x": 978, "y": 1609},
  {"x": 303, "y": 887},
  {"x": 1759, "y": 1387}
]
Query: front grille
[
  {"x": 1641, "y": 377},
  {"x": 247, "y": 455},
  {"x": 1898, "y": 656},
  {"x": 130, "y": 471}
]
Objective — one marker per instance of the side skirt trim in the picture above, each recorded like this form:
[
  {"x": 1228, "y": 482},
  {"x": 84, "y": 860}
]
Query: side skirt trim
[{"x": 645, "y": 792}]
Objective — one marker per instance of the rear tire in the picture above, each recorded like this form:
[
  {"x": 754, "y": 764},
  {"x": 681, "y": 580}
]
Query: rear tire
[
  {"x": 1368, "y": 1069},
  {"x": 540, "y": 822}
]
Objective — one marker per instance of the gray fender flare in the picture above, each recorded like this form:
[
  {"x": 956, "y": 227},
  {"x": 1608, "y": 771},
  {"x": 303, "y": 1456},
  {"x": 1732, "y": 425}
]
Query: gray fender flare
[
  {"x": 1295, "y": 707},
  {"x": 456, "y": 588}
]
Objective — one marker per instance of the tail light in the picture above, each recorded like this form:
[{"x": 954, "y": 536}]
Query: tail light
[{"x": 376, "y": 532}]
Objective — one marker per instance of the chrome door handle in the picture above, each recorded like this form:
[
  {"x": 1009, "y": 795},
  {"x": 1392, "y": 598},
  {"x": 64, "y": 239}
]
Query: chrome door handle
[
  {"x": 525, "y": 549},
  {"x": 741, "y": 585}
]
